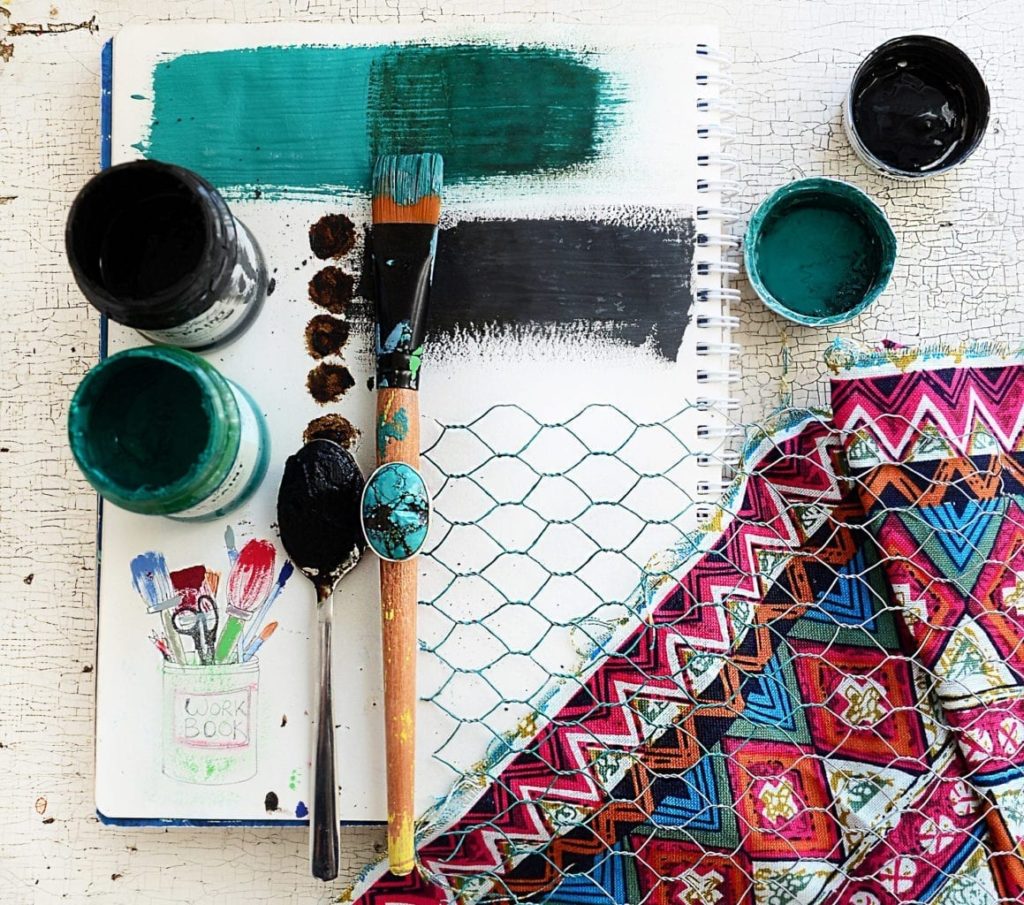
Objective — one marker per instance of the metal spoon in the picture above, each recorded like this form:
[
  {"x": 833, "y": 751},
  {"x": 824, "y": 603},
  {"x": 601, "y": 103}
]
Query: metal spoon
[{"x": 318, "y": 516}]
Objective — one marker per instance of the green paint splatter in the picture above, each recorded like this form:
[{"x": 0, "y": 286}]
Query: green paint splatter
[
  {"x": 393, "y": 428},
  {"x": 415, "y": 360},
  {"x": 293, "y": 780},
  {"x": 305, "y": 120},
  {"x": 138, "y": 97}
]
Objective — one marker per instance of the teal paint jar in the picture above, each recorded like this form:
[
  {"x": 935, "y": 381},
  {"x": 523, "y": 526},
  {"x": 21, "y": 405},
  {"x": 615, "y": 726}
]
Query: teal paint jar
[
  {"x": 160, "y": 431},
  {"x": 819, "y": 251}
]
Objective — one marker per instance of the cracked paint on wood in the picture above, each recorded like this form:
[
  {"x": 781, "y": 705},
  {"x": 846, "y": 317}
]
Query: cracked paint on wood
[{"x": 959, "y": 273}]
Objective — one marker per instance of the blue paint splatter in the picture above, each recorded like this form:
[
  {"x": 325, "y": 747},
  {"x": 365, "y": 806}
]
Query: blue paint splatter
[
  {"x": 399, "y": 339},
  {"x": 396, "y": 511},
  {"x": 301, "y": 810}
]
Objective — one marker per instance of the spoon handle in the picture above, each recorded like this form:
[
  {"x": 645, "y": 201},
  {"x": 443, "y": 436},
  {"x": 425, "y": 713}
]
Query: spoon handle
[{"x": 324, "y": 845}]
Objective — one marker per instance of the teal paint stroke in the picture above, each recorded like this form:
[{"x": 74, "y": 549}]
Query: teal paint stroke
[
  {"x": 393, "y": 428},
  {"x": 396, "y": 511},
  {"x": 305, "y": 120}
]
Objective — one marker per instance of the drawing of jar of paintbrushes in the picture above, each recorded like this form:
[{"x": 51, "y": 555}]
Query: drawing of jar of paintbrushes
[{"x": 209, "y": 663}]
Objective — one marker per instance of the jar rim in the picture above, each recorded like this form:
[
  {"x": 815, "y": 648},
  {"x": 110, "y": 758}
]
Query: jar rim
[
  {"x": 193, "y": 292},
  {"x": 211, "y": 466}
]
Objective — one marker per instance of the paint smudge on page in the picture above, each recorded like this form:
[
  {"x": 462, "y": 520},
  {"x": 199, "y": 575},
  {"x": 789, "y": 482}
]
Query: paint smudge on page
[
  {"x": 308, "y": 120},
  {"x": 329, "y": 382},
  {"x": 301, "y": 810},
  {"x": 332, "y": 236},
  {"x": 332, "y": 426},
  {"x": 270, "y": 802},
  {"x": 622, "y": 281},
  {"x": 326, "y": 335},
  {"x": 333, "y": 289}
]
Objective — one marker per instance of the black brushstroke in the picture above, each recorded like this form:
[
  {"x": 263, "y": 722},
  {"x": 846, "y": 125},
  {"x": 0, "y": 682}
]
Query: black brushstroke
[{"x": 597, "y": 280}]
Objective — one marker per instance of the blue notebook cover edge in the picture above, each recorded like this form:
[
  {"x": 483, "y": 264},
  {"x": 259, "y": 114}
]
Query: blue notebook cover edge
[{"x": 106, "y": 99}]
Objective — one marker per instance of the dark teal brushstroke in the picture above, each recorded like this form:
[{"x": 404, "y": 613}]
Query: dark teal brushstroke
[{"x": 305, "y": 119}]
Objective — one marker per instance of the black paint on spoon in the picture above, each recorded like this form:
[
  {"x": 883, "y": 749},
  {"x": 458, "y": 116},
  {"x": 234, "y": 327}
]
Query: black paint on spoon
[{"x": 318, "y": 509}]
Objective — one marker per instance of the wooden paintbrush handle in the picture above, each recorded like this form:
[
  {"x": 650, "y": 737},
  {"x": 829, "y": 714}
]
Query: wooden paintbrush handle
[{"x": 398, "y": 440}]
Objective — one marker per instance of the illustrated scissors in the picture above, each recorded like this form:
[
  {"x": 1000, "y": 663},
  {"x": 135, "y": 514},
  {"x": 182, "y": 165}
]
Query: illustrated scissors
[{"x": 199, "y": 624}]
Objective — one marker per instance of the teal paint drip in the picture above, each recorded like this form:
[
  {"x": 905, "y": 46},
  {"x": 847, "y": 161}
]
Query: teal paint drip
[{"x": 304, "y": 121}]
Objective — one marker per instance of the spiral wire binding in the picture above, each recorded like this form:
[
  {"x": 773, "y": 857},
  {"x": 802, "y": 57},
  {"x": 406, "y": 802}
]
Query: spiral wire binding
[{"x": 714, "y": 243}]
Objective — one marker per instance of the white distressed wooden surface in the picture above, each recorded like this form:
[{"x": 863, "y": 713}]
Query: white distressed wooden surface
[{"x": 959, "y": 275}]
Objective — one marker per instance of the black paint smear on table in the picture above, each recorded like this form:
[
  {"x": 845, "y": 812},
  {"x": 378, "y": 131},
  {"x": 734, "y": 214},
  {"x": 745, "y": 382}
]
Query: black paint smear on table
[{"x": 605, "y": 281}]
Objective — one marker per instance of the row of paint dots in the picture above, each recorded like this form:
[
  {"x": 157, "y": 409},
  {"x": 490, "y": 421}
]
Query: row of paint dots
[
  {"x": 194, "y": 634},
  {"x": 333, "y": 236}
]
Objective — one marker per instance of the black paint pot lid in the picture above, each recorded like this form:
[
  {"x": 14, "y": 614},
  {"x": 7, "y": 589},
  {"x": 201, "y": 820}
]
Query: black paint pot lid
[{"x": 946, "y": 67}]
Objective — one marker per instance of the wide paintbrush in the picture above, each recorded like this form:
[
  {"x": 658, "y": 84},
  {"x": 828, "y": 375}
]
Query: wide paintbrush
[{"x": 406, "y": 208}]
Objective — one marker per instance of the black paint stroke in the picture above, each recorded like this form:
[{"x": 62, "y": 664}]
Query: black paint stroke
[{"x": 593, "y": 280}]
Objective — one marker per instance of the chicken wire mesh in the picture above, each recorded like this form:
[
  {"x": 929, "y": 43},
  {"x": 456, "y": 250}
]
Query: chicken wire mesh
[{"x": 808, "y": 690}]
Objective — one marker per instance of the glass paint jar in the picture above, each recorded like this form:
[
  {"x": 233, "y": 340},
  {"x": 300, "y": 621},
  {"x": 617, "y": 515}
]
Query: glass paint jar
[
  {"x": 160, "y": 431},
  {"x": 154, "y": 247}
]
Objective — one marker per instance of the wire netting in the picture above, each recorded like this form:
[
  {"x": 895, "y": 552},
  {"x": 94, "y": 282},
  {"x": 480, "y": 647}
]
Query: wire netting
[{"x": 806, "y": 689}]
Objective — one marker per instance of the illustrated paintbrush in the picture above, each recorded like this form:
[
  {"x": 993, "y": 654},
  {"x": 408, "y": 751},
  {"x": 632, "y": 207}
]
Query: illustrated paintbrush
[
  {"x": 253, "y": 648},
  {"x": 249, "y": 635},
  {"x": 152, "y": 581},
  {"x": 249, "y": 582},
  {"x": 403, "y": 240}
]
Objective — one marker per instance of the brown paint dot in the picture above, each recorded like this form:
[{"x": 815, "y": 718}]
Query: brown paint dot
[
  {"x": 332, "y": 236},
  {"x": 328, "y": 383},
  {"x": 333, "y": 289},
  {"x": 332, "y": 427},
  {"x": 326, "y": 335},
  {"x": 270, "y": 802},
  {"x": 284, "y": 720},
  {"x": 41, "y": 805}
]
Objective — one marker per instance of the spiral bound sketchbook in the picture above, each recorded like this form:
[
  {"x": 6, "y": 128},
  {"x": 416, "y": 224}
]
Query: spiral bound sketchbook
[{"x": 575, "y": 384}]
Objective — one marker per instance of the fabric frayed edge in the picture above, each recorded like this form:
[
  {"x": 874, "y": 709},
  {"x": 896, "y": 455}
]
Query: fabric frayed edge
[{"x": 849, "y": 360}]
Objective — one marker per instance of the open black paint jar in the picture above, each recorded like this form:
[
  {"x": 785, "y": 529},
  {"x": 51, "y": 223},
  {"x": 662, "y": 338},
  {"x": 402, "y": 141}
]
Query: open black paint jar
[
  {"x": 155, "y": 247},
  {"x": 917, "y": 106}
]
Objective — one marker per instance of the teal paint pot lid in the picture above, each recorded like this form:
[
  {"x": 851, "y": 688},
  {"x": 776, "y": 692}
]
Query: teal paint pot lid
[{"x": 819, "y": 251}]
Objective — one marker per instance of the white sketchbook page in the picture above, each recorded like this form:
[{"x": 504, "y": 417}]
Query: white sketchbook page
[{"x": 652, "y": 164}]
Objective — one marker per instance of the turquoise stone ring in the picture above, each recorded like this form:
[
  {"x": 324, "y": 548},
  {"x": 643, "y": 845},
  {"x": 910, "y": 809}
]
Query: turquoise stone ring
[{"x": 395, "y": 511}]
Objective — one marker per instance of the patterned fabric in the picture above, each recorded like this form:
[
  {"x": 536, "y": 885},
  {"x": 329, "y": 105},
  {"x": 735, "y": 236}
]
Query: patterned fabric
[{"x": 825, "y": 706}]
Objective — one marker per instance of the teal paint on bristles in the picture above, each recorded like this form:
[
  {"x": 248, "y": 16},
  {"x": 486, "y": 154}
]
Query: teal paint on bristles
[
  {"x": 407, "y": 188},
  {"x": 406, "y": 208}
]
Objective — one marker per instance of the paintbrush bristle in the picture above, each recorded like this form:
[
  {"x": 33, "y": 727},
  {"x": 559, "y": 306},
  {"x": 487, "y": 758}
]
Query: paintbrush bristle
[{"x": 407, "y": 188}]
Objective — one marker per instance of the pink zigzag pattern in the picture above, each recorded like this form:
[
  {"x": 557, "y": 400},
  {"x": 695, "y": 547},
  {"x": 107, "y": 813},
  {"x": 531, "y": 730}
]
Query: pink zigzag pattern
[{"x": 896, "y": 409}]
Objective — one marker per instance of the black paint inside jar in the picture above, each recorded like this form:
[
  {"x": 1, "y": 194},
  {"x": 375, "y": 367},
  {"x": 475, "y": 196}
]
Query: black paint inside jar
[
  {"x": 152, "y": 243},
  {"x": 154, "y": 246},
  {"x": 919, "y": 105}
]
